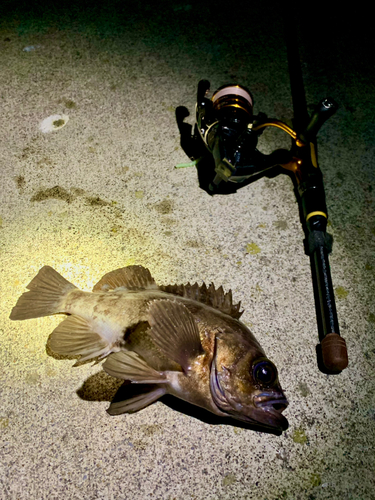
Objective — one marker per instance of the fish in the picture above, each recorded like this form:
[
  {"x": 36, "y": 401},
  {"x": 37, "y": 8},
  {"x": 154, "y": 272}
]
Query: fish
[{"x": 183, "y": 340}]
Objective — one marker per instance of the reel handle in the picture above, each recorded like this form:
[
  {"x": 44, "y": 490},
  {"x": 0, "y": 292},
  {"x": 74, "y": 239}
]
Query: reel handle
[{"x": 324, "y": 110}]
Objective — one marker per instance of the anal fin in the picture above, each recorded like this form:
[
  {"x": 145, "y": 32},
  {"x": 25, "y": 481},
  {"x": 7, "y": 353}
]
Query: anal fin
[
  {"x": 131, "y": 398},
  {"x": 128, "y": 365}
]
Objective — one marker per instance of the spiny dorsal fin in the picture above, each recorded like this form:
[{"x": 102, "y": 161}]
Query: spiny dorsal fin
[
  {"x": 214, "y": 298},
  {"x": 130, "y": 277}
]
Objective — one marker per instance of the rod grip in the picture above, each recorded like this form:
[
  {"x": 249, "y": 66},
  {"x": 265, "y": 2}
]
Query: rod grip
[
  {"x": 334, "y": 352},
  {"x": 333, "y": 347}
]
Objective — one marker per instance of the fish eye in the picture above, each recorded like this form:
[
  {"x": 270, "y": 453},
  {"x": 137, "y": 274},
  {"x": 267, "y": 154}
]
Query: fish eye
[{"x": 265, "y": 372}]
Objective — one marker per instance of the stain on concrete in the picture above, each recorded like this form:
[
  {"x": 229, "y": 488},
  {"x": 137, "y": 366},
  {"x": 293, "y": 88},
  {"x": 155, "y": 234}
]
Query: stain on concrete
[
  {"x": 341, "y": 292},
  {"x": 56, "y": 192},
  {"x": 21, "y": 183},
  {"x": 252, "y": 248},
  {"x": 50, "y": 372},
  {"x": 315, "y": 480},
  {"x": 78, "y": 191},
  {"x": 69, "y": 104},
  {"x": 95, "y": 201},
  {"x": 192, "y": 244},
  {"x": 164, "y": 207},
  {"x": 304, "y": 389},
  {"x": 138, "y": 445},
  {"x": 4, "y": 422},
  {"x": 299, "y": 436},
  {"x": 168, "y": 222},
  {"x": 26, "y": 152},
  {"x": 58, "y": 123},
  {"x": 60, "y": 193},
  {"x": 32, "y": 378},
  {"x": 229, "y": 479},
  {"x": 45, "y": 162},
  {"x": 150, "y": 430},
  {"x": 281, "y": 224}
]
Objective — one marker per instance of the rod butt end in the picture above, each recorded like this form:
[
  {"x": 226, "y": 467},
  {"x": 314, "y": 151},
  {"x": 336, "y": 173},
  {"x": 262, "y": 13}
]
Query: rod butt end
[{"x": 334, "y": 352}]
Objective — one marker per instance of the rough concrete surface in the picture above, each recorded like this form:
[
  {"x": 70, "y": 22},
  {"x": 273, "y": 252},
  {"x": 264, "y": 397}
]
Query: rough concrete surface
[{"x": 101, "y": 193}]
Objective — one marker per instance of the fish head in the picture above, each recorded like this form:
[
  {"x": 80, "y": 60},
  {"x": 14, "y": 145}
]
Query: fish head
[{"x": 244, "y": 384}]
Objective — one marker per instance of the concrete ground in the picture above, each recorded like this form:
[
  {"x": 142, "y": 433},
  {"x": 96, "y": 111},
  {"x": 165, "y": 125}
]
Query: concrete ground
[{"x": 101, "y": 193}]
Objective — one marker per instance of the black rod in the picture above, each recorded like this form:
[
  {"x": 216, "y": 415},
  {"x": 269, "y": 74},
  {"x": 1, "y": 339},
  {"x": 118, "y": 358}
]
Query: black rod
[
  {"x": 333, "y": 355},
  {"x": 301, "y": 116}
]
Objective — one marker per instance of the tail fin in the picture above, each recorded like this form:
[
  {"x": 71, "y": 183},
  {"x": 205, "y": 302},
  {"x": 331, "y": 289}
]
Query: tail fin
[{"x": 47, "y": 291}]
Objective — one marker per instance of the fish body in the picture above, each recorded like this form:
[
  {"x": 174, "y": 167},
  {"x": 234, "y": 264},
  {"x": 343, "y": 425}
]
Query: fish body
[{"x": 183, "y": 340}]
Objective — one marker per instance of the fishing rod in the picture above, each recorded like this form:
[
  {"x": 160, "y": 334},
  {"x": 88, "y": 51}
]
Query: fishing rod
[{"x": 224, "y": 149}]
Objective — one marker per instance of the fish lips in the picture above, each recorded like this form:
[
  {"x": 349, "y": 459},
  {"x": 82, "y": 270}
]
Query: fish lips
[
  {"x": 269, "y": 405},
  {"x": 266, "y": 411}
]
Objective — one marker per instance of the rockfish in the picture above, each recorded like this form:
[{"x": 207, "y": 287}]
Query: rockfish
[{"x": 184, "y": 340}]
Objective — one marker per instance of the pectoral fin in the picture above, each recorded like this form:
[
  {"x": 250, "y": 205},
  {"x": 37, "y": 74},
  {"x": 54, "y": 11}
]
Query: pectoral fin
[{"x": 174, "y": 331}]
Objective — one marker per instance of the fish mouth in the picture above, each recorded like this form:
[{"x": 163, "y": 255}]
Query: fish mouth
[{"x": 272, "y": 404}]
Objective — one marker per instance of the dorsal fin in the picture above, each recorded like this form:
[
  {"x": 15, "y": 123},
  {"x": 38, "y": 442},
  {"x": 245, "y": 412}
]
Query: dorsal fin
[
  {"x": 130, "y": 277},
  {"x": 209, "y": 296}
]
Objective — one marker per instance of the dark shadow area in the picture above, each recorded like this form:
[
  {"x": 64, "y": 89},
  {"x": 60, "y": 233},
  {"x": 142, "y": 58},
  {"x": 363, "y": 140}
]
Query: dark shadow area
[
  {"x": 102, "y": 387},
  {"x": 99, "y": 387},
  {"x": 209, "y": 418}
]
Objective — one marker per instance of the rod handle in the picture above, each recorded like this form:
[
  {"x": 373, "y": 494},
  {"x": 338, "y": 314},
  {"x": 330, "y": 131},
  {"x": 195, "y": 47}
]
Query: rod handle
[{"x": 334, "y": 352}]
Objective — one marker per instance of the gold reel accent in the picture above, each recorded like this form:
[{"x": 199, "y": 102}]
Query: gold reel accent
[{"x": 283, "y": 126}]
